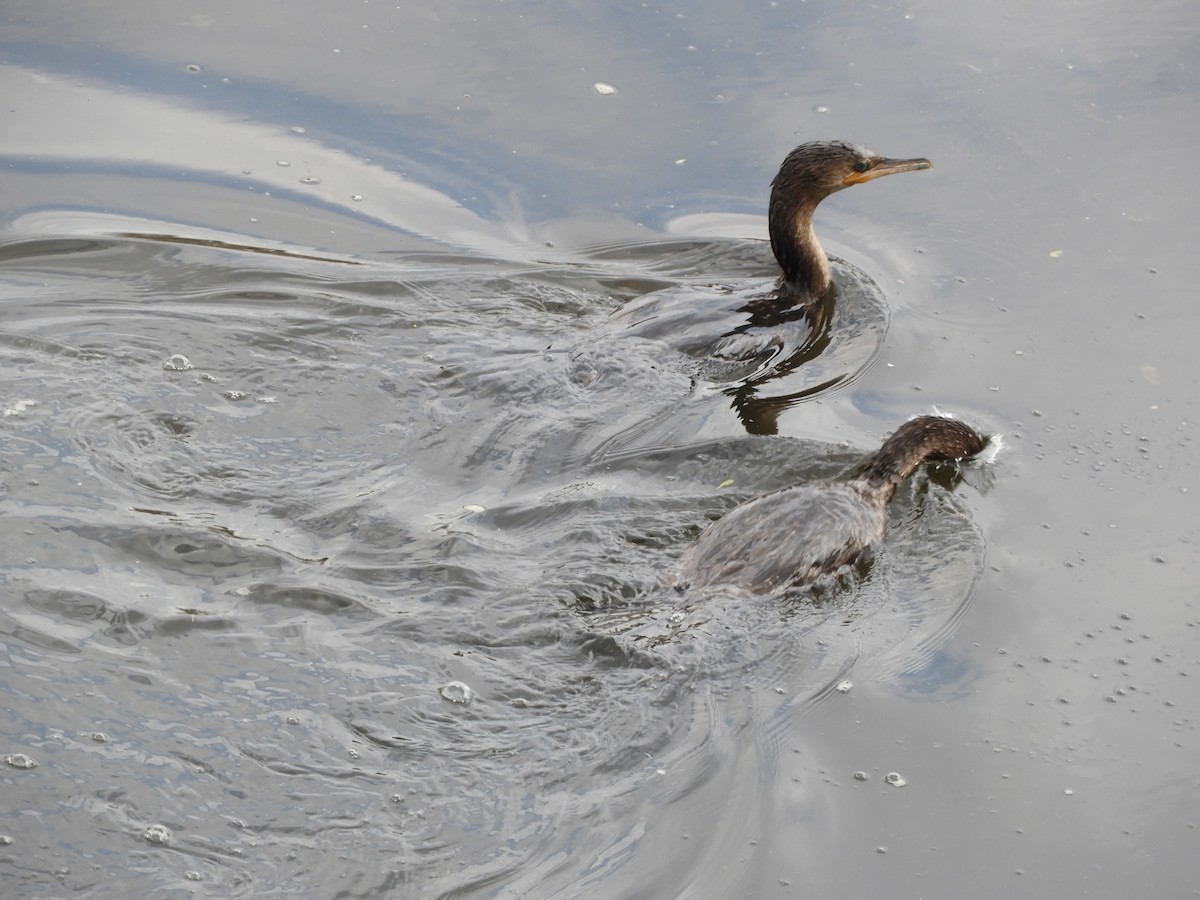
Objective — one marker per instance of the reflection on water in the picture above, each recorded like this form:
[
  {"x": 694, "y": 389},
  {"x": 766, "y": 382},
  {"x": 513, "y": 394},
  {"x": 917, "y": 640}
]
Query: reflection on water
[
  {"x": 264, "y": 509},
  {"x": 222, "y": 580},
  {"x": 764, "y": 359}
]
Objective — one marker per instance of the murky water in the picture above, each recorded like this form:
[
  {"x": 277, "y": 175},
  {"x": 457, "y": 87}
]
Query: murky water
[
  {"x": 265, "y": 510},
  {"x": 357, "y": 408}
]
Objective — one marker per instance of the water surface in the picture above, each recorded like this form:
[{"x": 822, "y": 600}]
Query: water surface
[{"x": 318, "y": 401}]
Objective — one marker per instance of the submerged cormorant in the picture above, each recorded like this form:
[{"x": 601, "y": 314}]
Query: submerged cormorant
[
  {"x": 748, "y": 335},
  {"x": 793, "y": 536}
]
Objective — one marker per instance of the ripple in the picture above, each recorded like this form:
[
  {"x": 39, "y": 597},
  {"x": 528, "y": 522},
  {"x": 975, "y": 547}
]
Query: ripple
[
  {"x": 709, "y": 323},
  {"x": 463, "y": 480},
  {"x": 705, "y": 332}
]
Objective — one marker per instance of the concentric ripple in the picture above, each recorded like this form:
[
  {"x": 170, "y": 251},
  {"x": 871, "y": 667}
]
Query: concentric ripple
[{"x": 371, "y": 560}]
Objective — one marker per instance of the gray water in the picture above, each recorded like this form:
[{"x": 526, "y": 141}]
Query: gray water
[{"x": 321, "y": 401}]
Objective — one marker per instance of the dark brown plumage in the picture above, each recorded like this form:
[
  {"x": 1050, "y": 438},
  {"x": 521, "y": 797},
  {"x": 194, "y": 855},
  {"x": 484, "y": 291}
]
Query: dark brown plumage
[
  {"x": 808, "y": 175},
  {"x": 746, "y": 336},
  {"x": 793, "y": 536}
]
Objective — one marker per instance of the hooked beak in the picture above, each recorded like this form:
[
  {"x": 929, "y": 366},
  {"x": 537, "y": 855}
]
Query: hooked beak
[{"x": 887, "y": 167}]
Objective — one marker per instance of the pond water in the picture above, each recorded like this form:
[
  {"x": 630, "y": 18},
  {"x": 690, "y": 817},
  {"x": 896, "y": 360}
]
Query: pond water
[{"x": 344, "y": 471}]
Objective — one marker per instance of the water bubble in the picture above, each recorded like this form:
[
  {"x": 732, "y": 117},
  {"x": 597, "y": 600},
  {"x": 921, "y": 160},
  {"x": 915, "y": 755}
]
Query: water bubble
[
  {"x": 844, "y": 687},
  {"x": 192, "y": 68},
  {"x": 310, "y": 179},
  {"x": 235, "y": 395},
  {"x": 5, "y": 840},
  {"x": 895, "y": 779},
  {"x": 297, "y": 129},
  {"x": 99, "y": 737},
  {"x": 282, "y": 163},
  {"x": 157, "y": 834},
  {"x": 357, "y": 198},
  {"x": 191, "y": 875},
  {"x": 604, "y": 90},
  {"x": 457, "y": 692},
  {"x": 177, "y": 362},
  {"x": 861, "y": 776},
  {"x": 21, "y": 761},
  {"x": 820, "y": 109}
]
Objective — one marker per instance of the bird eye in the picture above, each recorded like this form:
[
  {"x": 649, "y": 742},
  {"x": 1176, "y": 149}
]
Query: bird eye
[{"x": 861, "y": 166}]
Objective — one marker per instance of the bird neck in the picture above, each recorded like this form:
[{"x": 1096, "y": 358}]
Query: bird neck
[{"x": 799, "y": 253}]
